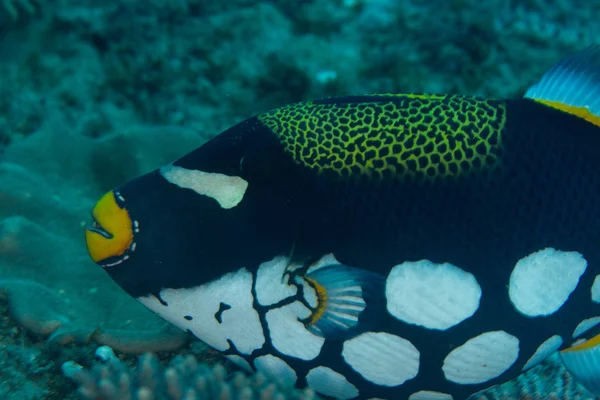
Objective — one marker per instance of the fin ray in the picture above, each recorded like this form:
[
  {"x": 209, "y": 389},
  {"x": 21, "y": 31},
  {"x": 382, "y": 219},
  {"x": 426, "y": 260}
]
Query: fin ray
[
  {"x": 583, "y": 362},
  {"x": 343, "y": 295},
  {"x": 572, "y": 85}
]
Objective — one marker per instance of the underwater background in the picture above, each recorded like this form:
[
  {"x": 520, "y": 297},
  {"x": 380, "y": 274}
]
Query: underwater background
[{"x": 94, "y": 93}]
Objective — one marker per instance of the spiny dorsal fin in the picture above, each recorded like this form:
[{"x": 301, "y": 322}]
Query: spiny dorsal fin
[{"x": 572, "y": 85}]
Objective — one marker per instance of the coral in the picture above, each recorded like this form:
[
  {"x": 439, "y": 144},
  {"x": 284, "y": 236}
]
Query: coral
[
  {"x": 53, "y": 288},
  {"x": 21, "y": 368},
  {"x": 548, "y": 381},
  {"x": 493, "y": 48},
  {"x": 184, "y": 378}
]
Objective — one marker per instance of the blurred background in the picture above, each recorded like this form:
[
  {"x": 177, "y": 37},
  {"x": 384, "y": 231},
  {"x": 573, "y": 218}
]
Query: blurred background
[{"x": 95, "y": 92}]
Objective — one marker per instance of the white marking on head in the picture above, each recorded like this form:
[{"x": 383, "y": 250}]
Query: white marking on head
[
  {"x": 276, "y": 369},
  {"x": 436, "y": 296},
  {"x": 482, "y": 358},
  {"x": 227, "y": 190},
  {"x": 543, "y": 281},
  {"x": 382, "y": 358},
  {"x": 289, "y": 336},
  {"x": 545, "y": 350},
  {"x": 270, "y": 288},
  {"x": 240, "y": 323},
  {"x": 330, "y": 383},
  {"x": 585, "y": 326},
  {"x": 427, "y": 395},
  {"x": 240, "y": 362},
  {"x": 596, "y": 290}
]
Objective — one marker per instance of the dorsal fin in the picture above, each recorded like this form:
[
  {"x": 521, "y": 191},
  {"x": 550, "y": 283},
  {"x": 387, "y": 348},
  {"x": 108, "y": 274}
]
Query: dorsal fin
[{"x": 572, "y": 85}]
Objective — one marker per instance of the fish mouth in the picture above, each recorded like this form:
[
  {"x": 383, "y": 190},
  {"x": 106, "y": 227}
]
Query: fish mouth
[
  {"x": 95, "y": 227},
  {"x": 109, "y": 237}
]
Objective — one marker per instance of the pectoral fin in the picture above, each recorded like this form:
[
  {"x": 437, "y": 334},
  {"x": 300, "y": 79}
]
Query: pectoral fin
[
  {"x": 583, "y": 362},
  {"x": 342, "y": 295}
]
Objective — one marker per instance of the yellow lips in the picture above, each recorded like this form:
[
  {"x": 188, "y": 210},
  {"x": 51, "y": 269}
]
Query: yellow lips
[{"x": 112, "y": 232}]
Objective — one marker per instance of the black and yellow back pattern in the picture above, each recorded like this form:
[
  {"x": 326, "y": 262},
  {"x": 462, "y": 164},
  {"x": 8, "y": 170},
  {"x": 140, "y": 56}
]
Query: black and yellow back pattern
[{"x": 407, "y": 135}]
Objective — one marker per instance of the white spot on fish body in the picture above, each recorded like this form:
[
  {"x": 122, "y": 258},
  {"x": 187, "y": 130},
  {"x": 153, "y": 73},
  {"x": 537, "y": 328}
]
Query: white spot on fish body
[
  {"x": 327, "y": 382},
  {"x": 289, "y": 336},
  {"x": 310, "y": 294},
  {"x": 276, "y": 369},
  {"x": 227, "y": 190},
  {"x": 382, "y": 358},
  {"x": 596, "y": 290},
  {"x": 482, "y": 358},
  {"x": 543, "y": 281},
  {"x": 428, "y": 395},
  {"x": 435, "y": 296},
  {"x": 240, "y": 323},
  {"x": 585, "y": 326},
  {"x": 270, "y": 287},
  {"x": 545, "y": 350}
]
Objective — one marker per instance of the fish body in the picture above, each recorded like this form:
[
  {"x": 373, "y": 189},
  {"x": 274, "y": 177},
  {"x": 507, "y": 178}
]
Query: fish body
[{"x": 396, "y": 246}]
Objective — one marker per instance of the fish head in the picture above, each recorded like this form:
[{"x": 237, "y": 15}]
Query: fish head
[{"x": 215, "y": 210}]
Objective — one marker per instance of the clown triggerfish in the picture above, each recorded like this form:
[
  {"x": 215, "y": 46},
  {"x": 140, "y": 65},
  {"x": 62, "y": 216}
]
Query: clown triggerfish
[{"x": 392, "y": 246}]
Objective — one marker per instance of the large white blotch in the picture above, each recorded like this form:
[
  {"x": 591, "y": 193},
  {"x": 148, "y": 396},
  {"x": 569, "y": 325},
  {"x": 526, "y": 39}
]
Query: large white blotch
[
  {"x": 330, "y": 383},
  {"x": 436, "y": 296},
  {"x": 240, "y": 323},
  {"x": 382, "y": 358},
  {"x": 227, "y": 190},
  {"x": 482, "y": 358},
  {"x": 270, "y": 288},
  {"x": 585, "y": 326},
  {"x": 542, "y": 282},
  {"x": 276, "y": 369},
  {"x": 289, "y": 336},
  {"x": 545, "y": 350},
  {"x": 427, "y": 395},
  {"x": 596, "y": 290}
]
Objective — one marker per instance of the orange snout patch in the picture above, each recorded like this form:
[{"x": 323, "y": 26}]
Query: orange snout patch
[{"x": 111, "y": 234}]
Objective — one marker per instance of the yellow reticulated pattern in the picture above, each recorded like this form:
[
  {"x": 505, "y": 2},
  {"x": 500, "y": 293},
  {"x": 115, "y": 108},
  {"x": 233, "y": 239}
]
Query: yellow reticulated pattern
[{"x": 422, "y": 136}]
